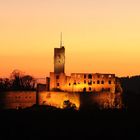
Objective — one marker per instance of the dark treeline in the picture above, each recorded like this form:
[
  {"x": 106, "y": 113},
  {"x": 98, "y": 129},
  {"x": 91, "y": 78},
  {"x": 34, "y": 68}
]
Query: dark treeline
[
  {"x": 131, "y": 92},
  {"x": 17, "y": 81}
]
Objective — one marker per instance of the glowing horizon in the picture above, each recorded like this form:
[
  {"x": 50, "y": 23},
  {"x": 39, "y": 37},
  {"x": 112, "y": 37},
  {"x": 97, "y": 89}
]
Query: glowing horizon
[{"x": 99, "y": 36}]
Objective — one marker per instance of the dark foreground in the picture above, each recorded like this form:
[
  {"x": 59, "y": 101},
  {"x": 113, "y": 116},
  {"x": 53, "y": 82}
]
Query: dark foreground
[{"x": 69, "y": 124}]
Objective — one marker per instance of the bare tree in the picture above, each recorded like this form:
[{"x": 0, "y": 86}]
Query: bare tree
[
  {"x": 20, "y": 81},
  {"x": 16, "y": 76},
  {"x": 28, "y": 82}
]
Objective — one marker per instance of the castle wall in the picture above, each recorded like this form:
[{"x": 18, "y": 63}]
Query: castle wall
[
  {"x": 101, "y": 100},
  {"x": 79, "y": 82},
  {"x": 57, "y": 99},
  {"x": 16, "y": 100},
  {"x": 57, "y": 81},
  {"x": 91, "y": 82}
]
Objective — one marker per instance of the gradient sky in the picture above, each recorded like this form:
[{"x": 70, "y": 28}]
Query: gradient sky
[{"x": 99, "y": 36}]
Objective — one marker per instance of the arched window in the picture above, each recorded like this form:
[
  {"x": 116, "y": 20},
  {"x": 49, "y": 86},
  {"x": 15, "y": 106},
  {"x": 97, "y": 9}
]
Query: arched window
[
  {"x": 89, "y": 88},
  {"x": 98, "y": 82},
  {"x": 84, "y": 89},
  {"x": 90, "y": 76},
  {"x": 90, "y": 82},
  {"x": 102, "y": 82},
  {"x": 85, "y": 76}
]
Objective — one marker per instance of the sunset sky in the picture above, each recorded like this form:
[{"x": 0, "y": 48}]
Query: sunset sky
[{"x": 99, "y": 36}]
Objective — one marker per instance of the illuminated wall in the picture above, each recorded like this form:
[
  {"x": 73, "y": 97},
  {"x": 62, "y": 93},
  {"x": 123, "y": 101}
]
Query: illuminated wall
[
  {"x": 102, "y": 100},
  {"x": 79, "y": 82},
  {"x": 57, "y": 81},
  {"x": 17, "y": 100},
  {"x": 57, "y": 99}
]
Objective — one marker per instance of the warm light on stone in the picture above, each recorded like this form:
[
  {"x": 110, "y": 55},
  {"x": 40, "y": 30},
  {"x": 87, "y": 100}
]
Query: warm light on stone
[{"x": 57, "y": 99}]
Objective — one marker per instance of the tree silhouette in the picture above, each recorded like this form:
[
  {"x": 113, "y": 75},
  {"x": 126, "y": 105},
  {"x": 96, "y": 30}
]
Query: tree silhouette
[
  {"x": 28, "y": 82},
  {"x": 16, "y": 77},
  {"x": 20, "y": 81}
]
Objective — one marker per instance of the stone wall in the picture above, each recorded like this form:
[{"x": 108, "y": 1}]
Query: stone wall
[
  {"x": 79, "y": 82},
  {"x": 102, "y": 100},
  {"x": 17, "y": 100},
  {"x": 57, "y": 99}
]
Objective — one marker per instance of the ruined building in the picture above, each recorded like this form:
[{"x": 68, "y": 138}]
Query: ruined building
[{"x": 78, "y": 82}]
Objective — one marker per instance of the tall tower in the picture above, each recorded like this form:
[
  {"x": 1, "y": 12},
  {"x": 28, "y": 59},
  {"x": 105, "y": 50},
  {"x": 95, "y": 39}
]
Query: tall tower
[{"x": 59, "y": 58}]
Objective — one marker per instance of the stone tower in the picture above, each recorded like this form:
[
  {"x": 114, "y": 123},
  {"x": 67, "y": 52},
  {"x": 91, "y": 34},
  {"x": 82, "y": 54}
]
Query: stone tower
[{"x": 59, "y": 59}]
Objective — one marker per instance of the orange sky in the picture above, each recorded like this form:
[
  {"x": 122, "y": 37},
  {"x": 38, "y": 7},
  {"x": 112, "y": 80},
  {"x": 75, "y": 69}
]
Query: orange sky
[{"x": 99, "y": 35}]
